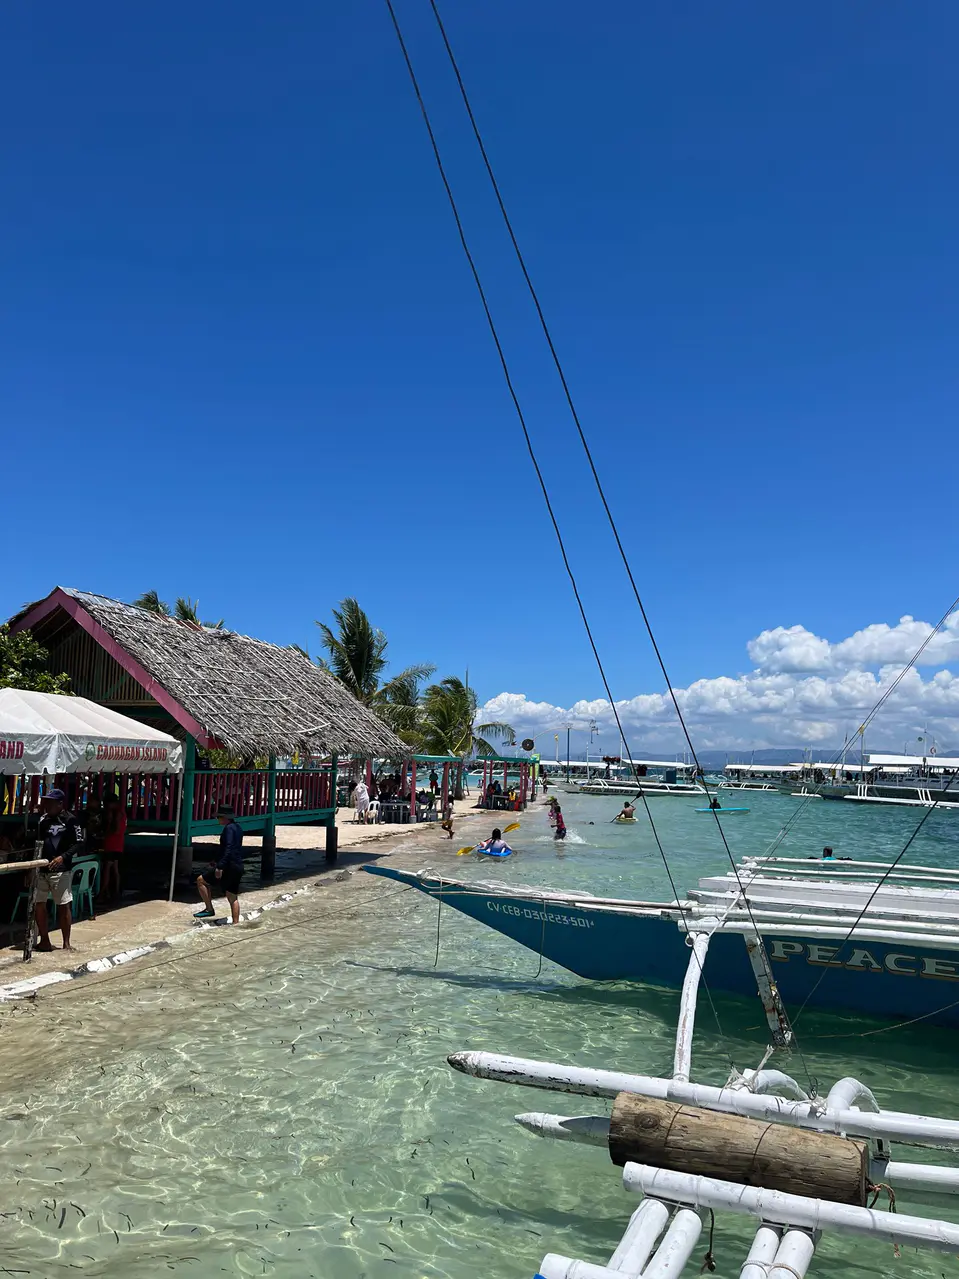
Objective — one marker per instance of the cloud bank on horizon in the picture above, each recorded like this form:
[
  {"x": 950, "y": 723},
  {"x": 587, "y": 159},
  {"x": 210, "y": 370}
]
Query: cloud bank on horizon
[{"x": 802, "y": 690}]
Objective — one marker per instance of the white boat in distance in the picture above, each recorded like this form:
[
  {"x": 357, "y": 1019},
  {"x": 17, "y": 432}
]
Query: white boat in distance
[
  {"x": 760, "y": 777},
  {"x": 650, "y": 777},
  {"x": 883, "y": 779}
]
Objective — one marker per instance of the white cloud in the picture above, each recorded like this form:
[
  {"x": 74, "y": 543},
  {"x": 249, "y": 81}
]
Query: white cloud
[
  {"x": 803, "y": 690},
  {"x": 794, "y": 649}
]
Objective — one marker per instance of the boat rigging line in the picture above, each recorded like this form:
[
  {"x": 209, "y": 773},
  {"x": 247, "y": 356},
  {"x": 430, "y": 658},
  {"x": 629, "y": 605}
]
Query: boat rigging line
[
  {"x": 761, "y": 950},
  {"x": 872, "y": 896},
  {"x": 573, "y": 412},
  {"x": 602, "y": 493},
  {"x": 539, "y": 474},
  {"x": 807, "y": 799}
]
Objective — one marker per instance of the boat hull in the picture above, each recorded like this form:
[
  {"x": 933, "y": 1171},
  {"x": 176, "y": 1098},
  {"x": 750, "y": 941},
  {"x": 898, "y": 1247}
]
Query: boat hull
[{"x": 882, "y": 979}]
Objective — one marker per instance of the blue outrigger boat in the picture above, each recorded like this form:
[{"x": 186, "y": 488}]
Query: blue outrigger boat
[{"x": 901, "y": 961}]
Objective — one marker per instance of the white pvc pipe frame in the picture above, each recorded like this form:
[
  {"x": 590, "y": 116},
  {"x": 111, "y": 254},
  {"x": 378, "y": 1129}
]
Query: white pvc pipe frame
[
  {"x": 632, "y": 1254},
  {"x": 585, "y": 1081},
  {"x": 686, "y": 1022},
  {"x": 775, "y": 1207}
]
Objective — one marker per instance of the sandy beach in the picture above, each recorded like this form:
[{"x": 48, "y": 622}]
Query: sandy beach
[{"x": 301, "y": 867}]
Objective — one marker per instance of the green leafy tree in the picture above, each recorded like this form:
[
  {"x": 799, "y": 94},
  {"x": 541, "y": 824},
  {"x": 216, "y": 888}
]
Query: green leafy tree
[
  {"x": 356, "y": 656},
  {"x": 23, "y": 664},
  {"x": 184, "y": 610},
  {"x": 448, "y": 725}
]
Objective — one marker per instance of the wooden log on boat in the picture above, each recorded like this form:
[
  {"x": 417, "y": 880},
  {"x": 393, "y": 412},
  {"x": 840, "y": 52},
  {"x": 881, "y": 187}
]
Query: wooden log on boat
[{"x": 751, "y": 1152}]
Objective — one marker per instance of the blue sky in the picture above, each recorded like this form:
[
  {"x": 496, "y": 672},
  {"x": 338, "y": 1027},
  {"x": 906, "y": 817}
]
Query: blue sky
[{"x": 242, "y": 357}]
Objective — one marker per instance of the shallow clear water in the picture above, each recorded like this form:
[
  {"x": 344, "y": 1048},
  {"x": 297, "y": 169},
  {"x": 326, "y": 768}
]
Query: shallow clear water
[{"x": 281, "y": 1105}]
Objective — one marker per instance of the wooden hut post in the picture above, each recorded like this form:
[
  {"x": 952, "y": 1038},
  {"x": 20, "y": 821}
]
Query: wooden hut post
[
  {"x": 445, "y": 792},
  {"x": 413, "y": 791},
  {"x": 31, "y": 922},
  {"x": 331, "y": 831},
  {"x": 189, "y": 791},
  {"x": 268, "y": 854}
]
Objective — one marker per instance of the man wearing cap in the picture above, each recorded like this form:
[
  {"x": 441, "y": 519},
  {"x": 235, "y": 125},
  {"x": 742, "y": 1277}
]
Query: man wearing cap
[
  {"x": 62, "y": 837},
  {"x": 228, "y": 870}
]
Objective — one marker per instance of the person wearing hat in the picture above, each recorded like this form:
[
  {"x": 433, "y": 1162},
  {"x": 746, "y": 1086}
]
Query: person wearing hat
[
  {"x": 228, "y": 870},
  {"x": 61, "y": 835}
]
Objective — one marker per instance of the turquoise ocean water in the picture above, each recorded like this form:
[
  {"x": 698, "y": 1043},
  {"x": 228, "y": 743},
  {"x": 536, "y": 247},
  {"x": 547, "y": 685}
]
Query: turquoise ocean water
[{"x": 282, "y": 1106}]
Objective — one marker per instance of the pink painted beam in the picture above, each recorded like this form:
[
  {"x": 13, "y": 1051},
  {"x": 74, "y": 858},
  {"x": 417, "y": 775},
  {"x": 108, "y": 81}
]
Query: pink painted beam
[{"x": 73, "y": 608}]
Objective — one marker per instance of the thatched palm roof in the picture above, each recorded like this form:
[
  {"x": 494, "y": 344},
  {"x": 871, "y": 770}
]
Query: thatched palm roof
[{"x": 253, "y": 697}]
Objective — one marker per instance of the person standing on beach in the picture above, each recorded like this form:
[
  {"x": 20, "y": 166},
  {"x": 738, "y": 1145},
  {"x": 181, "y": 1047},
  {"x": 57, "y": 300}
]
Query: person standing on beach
[
  {"x": 228, "y": 871},
  {"x": 61, "y": 835},
  {"x": 114, "y": 834},
  {"x": 361, "y": 797}
]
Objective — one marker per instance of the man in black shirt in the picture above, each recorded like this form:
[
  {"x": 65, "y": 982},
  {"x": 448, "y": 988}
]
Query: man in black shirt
[
  {"x": 62, "y": 837},
  {"x": 228, "y": 870}
]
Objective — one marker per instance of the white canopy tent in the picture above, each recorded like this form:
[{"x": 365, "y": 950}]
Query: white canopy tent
[{"x": 52, "y": 733}]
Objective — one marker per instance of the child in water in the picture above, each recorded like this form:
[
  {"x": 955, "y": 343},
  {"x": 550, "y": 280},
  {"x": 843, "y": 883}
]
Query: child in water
[
  {"x": 496, "y": 843},
  {"x": 560, "y": 831}
]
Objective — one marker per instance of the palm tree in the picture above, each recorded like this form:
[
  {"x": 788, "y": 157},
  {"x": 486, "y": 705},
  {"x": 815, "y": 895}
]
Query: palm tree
[
  {"x": 356, "y": 656},
  {"x": 185, "y": 609},
  {"x": 150, "y": 601},
  {"x": 448, "y": 725}
]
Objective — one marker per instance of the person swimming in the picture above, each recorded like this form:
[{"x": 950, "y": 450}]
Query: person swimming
[{"x": 495, "y": 844}]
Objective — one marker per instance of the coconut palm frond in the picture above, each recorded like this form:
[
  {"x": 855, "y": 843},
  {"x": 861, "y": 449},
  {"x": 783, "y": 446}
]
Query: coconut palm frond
[
  {"x": 150, "y": 601},
  {"x": 498, "y": 728},
  {"x": 187, "y": 610},
  {"x": 355, "y": 651}
]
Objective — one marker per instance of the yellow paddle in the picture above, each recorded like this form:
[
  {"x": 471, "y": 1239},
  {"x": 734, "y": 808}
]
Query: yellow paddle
[{"x": 461, "y": 852}]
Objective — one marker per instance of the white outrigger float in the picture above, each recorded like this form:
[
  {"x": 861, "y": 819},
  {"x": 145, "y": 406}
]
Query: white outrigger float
[{"x": 761, "y": 1146}]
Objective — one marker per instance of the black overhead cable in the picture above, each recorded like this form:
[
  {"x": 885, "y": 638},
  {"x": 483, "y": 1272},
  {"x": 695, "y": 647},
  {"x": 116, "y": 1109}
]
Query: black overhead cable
[
  {"x": 602, "y": 494},
  {"x": 592, "y": 466},
  {"x": 930, "y": 808},
  {"x": 532, "y": 452},
  {"x": 599, "y": 486}
]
